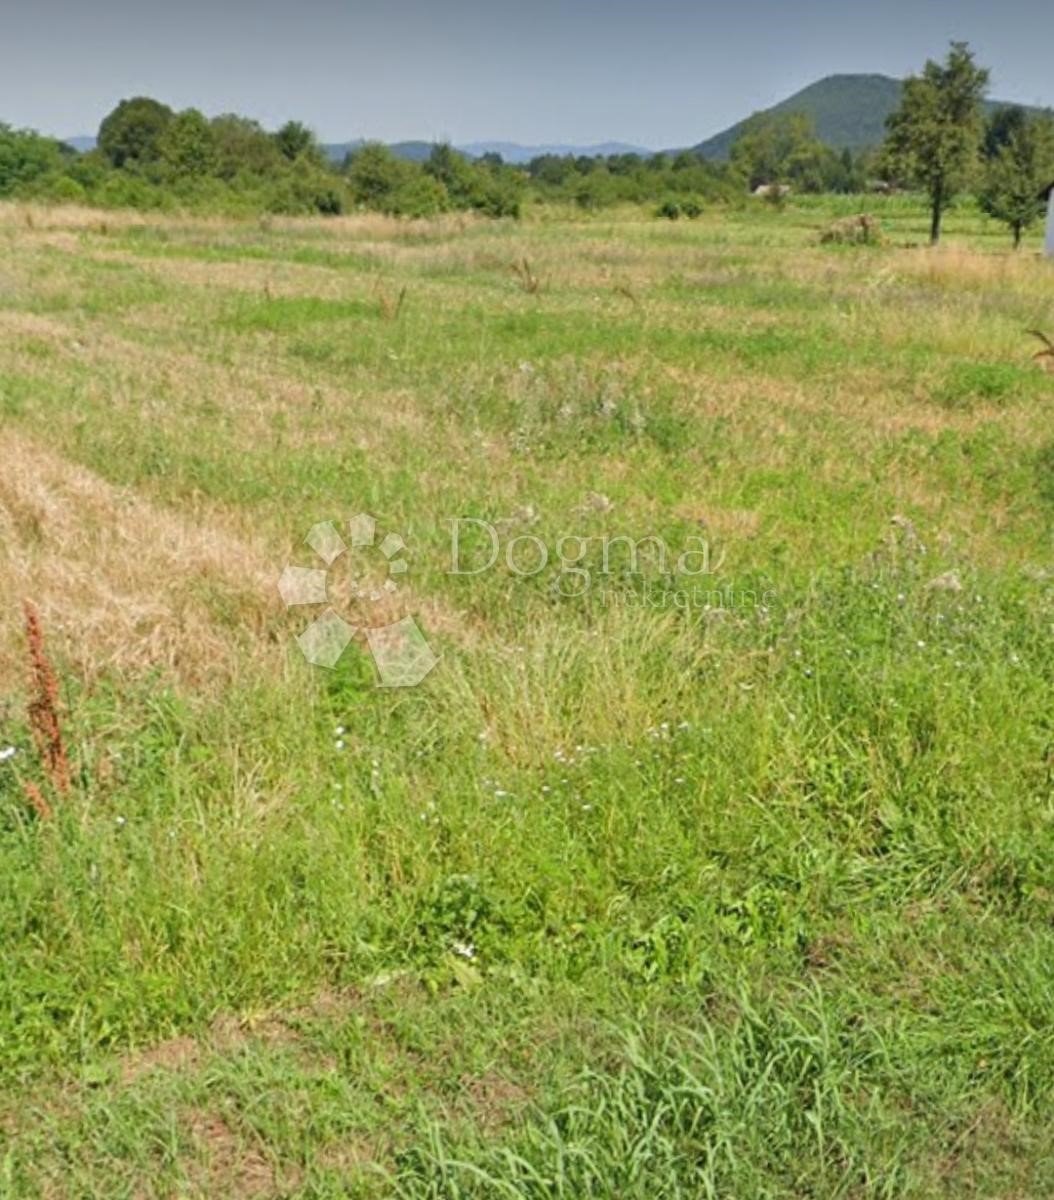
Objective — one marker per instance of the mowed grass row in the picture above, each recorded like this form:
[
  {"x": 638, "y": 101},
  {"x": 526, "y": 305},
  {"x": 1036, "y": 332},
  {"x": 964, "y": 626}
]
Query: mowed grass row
[{"x": 633, "y": 896}]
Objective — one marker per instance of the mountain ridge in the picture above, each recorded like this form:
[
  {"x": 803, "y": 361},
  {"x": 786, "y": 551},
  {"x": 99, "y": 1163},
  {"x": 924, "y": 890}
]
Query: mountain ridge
[{"x": 849, "y": 112}]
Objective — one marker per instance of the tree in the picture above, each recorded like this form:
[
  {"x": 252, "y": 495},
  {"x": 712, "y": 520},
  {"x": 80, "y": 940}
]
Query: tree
[
  {"x": 1020, "y": 168},
  {"x": 933, "y": 137},
  {"x": 454, "y": 172},
  {"x": 24, "y": 157},
  {"x": 781, "y": 149},
  {"x": 294, "y": 140},
  {"x": 243, "y": 147},
  {"x": 188, "y": 145},
  {"x": 375, "y": 174},
  {"x": 132, "y": 132},
  {"x": 1001, "y": 127}
]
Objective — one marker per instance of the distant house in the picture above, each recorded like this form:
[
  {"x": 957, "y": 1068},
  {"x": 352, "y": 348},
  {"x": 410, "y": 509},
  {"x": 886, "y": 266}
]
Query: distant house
[{"x": 1048, "y": 195}]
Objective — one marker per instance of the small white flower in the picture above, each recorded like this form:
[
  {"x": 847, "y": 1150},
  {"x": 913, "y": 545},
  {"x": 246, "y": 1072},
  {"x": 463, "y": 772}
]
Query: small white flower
[
  {"x": 464, "y": 949},
  {"x": 340, "y": 731},
  {"x": 8, "y": 752},
  {"x": 339, "y": 744},
  {"x": 121, "y": 822}
]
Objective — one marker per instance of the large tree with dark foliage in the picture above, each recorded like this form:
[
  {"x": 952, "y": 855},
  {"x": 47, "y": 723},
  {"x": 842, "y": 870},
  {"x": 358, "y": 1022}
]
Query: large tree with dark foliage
[{"x": 132, "y": 133}]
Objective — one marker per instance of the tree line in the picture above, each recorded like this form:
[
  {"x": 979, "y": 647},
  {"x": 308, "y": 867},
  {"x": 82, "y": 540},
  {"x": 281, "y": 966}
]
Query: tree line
[
  {"x": 939, "y": 141},
  {"x": 149, "y": 156}
]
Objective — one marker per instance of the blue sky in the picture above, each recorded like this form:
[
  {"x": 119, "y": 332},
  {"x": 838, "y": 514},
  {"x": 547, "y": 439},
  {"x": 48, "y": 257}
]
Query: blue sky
[{"x": 660, "y": 74}]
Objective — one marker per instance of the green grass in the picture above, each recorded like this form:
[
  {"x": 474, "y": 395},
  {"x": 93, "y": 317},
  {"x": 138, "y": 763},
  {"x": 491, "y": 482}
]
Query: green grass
[{"x": 626, "y": 899}]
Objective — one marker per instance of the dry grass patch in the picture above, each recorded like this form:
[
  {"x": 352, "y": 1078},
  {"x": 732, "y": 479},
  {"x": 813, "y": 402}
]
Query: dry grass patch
[{"x": 121, "y": 583}]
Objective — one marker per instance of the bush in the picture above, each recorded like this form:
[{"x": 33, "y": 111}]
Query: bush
[
  {"x": 61, "y": 189},
  {"x": 25, "y": 157},
  {"x": 670, "y": 208},
  {"x": 419, "y": 196},
  {"x": 124, "y": 190},
  {"x": 329, "y": 202}
]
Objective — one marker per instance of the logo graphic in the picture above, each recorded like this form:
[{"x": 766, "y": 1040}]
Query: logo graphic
[{"x": 400, "y": 651}]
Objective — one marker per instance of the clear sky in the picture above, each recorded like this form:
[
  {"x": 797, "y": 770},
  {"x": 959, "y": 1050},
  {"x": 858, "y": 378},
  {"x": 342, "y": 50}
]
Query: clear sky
[{"x": 658, "y": 74}]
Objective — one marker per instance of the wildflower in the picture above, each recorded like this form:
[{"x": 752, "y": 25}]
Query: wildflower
[
  {"x": 36, "y": 798},
  {"x": 8, "y": 752},
  {"x": 464, "y": 949},
  {"x": 339, "y": 744},
  {"x": 121, "y": 822}
]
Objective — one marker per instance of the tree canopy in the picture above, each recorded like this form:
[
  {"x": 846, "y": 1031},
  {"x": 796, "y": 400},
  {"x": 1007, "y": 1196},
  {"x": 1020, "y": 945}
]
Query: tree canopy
[
  {"x": 934, "y": 136},
  {"x": 132, "y": 133}
]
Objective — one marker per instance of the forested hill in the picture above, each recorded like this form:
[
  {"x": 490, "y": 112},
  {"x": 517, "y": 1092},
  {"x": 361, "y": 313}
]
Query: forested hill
[{"x": 848, "y": 111}]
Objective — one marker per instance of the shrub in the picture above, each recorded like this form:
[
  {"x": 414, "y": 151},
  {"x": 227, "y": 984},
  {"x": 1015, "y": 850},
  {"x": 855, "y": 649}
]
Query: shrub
[
  {"x": 61, "y": 189},
  {"x": 419, "y": 196}
]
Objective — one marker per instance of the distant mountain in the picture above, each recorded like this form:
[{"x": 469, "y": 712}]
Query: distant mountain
[
  {"x": 848, "y": 110},
  {"x": 411, "y": 151},
  {"x": 513, "y": 152}
]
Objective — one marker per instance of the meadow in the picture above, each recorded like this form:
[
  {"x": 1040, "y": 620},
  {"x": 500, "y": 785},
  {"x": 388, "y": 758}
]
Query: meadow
[{"x": 644, "y": 891}]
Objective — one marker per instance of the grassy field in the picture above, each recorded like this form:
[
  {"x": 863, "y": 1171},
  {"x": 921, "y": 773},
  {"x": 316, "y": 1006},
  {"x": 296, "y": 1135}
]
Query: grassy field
[{"x": 735, "y": 884}]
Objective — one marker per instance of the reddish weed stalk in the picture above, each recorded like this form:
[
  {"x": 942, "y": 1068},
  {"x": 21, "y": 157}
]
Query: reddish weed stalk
[{"x": 44, "y": 715}]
